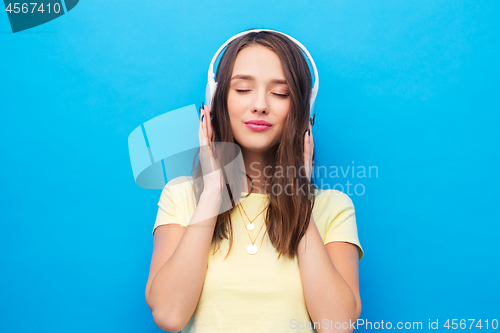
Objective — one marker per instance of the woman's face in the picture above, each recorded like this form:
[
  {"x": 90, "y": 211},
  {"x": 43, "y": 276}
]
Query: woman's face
[{"x": 258, "y": 92}]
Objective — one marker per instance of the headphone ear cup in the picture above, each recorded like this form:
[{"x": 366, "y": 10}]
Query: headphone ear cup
[
  {"x": 210, "y": 93},
  {"x": 212, "y": 97}
]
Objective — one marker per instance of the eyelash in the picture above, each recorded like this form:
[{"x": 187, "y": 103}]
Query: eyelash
[{"x": 280, "y": 95}]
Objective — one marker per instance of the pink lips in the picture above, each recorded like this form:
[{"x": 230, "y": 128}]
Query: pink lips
[{"x": 258, "y": 125}]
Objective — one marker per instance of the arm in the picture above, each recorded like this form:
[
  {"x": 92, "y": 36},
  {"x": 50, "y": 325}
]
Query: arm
[
  {"x": 327, "y": 293},
  {"x": 329, "y": 273},
  {"x": 179, "y": 264}
]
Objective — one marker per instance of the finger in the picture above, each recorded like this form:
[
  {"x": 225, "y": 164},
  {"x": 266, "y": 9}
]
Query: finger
[
  {"x": 211, "y": 133},
  {"x": 204, "y": 124},
  {"x": 207, "y": 127},
  {"x": 204, "y": 157},
  {"x": 307, "y": 145},
  {"x": 311, "y": 139},
  {"x": 204, "y": 127},
  {"x": 209, "y": 124},
  {"x": 200, "y": 130},
  {"x": 307, "y": 152},
  {"x": 206, "y": 120},
  {"x": 202, "y": 140}
]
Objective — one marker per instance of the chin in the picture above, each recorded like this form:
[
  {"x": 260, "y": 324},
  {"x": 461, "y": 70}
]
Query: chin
[
  {"x": 255, "y": 148},
  {"x": 259, "y": 148}
]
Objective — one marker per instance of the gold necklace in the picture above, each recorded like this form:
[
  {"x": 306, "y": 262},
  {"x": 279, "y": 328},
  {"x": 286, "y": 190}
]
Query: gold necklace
[
  {"x": 250, "y": 226},
  {"x": 251, "y": 248}
]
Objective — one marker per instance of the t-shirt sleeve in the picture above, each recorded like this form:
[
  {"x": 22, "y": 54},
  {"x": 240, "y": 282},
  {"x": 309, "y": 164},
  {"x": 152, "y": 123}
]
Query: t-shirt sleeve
[
  {"x": 171, "y": 207},
  {"x": 341, "y": 225}
]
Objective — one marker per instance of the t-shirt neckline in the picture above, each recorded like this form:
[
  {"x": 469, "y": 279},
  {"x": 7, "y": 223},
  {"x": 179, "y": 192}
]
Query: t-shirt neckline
[{"x": 258, "y": 195}]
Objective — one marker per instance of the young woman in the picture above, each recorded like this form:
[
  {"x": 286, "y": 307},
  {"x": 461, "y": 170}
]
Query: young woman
[{"x": 283, "y": 259}]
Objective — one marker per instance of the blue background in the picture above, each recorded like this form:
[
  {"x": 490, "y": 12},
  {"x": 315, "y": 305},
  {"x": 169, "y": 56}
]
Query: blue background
[{"x": 409, "y": 87}]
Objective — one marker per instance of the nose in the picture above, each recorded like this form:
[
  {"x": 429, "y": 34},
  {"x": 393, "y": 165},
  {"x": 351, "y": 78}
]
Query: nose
[{"x": 260, "y": 103}]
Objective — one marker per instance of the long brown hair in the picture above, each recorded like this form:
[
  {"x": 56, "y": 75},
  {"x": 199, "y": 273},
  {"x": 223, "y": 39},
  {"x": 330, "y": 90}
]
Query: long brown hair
[{"x": 287, "y": 216}]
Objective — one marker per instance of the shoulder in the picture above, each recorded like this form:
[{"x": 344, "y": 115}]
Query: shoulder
[
  {"x": 336, "y": 218},
  {"x": 176, "y": 202},
  {"x": 332, "y": 200},
  {"x": 179, "y": 189},
  {"x": 180, "y": 183}
]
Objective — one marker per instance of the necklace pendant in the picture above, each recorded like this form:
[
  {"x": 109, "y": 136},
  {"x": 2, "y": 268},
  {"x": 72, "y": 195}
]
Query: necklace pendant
[
  {"x": 250, "y": 226},
  {"x": 252, "y": 249}
]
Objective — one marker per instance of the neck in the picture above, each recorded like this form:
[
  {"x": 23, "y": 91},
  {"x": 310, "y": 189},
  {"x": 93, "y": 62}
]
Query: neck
[{"x": 254, "y": 166}]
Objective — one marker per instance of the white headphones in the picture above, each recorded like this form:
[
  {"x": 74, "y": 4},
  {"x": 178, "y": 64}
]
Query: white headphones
[{"x": 211, "y": 85}]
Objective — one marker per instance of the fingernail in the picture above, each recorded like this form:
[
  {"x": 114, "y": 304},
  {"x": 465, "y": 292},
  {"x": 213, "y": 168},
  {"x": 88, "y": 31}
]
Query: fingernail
[{"x": 202, "y": 117}]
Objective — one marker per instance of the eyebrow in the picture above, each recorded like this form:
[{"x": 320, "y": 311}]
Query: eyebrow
[{"x": 249, "y": 77}]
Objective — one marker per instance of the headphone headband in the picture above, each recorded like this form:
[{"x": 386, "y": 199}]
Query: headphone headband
[{"x": 211, "y": 85}]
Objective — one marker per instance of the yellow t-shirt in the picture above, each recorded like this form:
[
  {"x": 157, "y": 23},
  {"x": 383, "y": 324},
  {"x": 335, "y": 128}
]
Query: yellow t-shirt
[{"x": 255, "y": 293}]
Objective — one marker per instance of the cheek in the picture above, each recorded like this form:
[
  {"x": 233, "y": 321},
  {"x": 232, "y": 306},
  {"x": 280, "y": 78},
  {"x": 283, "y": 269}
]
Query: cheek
[
  {"x": 230, "y": 101},
  {"x": 232, "y": 106},
  {"x": 232, "y": 109},
  {"x": 236, "y": 107},
  {"x": 282, "y": 108},
  {"x": 284, "y": 114}
]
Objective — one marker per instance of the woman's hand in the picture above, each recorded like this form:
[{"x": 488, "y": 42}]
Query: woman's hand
[
  {"x": 212, "y": 175},
  {"x": 308, "y": 151}
]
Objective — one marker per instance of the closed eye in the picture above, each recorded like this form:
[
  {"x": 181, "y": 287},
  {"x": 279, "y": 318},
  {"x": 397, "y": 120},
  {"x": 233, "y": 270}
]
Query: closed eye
[{"x": 244, "y": 91}]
